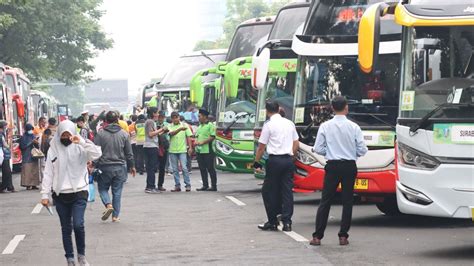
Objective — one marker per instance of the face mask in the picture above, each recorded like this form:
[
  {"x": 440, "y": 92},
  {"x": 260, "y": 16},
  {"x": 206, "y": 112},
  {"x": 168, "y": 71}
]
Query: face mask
[
  {"x": 30, "y": 132},
  {"x": 66, "y": 142}
]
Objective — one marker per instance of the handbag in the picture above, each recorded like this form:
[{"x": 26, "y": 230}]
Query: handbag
[{"x": 37, "y": 153}]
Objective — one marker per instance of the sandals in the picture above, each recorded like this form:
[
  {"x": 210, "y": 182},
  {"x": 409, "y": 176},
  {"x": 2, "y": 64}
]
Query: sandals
[{"x": 106, "y": 214}]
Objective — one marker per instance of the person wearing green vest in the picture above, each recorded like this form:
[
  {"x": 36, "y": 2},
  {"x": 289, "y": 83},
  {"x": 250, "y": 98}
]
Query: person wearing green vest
[
  {"x": 140, "y": 131},
  {"x": 153, "y": 101},
  {"x": 180, "y": 139},
  {"x": 205, "y": 134}
]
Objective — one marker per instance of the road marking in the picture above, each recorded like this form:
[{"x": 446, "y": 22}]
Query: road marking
[
  {"x": 236, "y": 201},
  {"x": 13, "y": 244},
  {"x": 37, "y": 209},
  {"x": 297, "y": 237}
]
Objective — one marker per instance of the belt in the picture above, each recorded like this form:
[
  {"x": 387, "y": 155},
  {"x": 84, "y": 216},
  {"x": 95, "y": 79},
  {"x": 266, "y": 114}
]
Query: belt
[
  {"x": 279, "y": 155},
  {"x": 340, "y": 161}
]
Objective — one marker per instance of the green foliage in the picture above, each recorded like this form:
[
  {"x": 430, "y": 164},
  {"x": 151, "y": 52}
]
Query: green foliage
[
  {"x": 51, "y": 39},
  {"x": 239, "y": 11}
]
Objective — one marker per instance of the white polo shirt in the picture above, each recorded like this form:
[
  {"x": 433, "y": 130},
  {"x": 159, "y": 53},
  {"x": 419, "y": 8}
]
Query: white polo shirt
[{"x": 278, "y": 134}]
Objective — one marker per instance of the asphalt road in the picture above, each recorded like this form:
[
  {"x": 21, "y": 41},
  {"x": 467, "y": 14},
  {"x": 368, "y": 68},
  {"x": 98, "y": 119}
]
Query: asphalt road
[{"x": 212, "y": 228}]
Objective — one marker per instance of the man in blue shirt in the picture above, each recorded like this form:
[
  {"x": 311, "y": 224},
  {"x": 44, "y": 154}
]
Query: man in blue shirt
[{"x": 341, "y": 142}]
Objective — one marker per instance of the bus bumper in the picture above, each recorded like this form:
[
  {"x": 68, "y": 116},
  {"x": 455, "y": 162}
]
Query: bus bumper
[
  {"x": 308, "y": 178},
  {"x": 447, "y": 191},
  {"x": 234, "y": 163}
]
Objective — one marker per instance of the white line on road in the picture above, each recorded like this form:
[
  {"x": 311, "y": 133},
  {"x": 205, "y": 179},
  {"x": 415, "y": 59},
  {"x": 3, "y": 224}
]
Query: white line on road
[
  {"x": 236, "y": 201},
  {"x": 37, "y": 209},
  {"x": 13, "y": 244},
  {"x": 297, "y": 237}
]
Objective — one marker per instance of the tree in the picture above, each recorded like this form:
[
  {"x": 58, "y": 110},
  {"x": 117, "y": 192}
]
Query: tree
[
  {"x": 51, "y": 39},
  {"x": 239, "y": 11}
]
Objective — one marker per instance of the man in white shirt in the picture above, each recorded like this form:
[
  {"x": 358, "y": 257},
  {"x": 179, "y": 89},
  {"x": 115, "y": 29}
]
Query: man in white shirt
[
  {"x": 280, "y": 139},
  {"x": 341, "y": 142}
]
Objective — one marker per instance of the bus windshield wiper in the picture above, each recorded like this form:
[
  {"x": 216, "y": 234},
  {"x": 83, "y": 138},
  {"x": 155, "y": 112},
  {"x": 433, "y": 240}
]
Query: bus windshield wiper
[
  {"x": 206, "y": 56},
  {"x": 375, "y": 116},
  {"x": 423, "y": 121},
  {"x": 235, "y": 121}
]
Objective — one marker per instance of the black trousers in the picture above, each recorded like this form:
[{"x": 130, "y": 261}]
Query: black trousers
[
  {"x": 343, "y": 172},
  {"x": 277, "y": 190},
  {"x": 161, "y": 168},
  {"x": 152, "y": 165},
  {"x": 6, "y": 176},
  {"x": 206, "y": 163},
  {"x": 139, "y": 158}
]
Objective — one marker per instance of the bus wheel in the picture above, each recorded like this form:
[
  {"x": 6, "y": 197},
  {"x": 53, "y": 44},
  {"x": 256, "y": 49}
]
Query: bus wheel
[{"x": 389, "y": 206}]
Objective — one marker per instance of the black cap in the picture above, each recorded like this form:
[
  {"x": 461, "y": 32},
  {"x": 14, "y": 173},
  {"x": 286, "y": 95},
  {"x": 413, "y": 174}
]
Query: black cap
[
  {"x": 111, "y": 117},
  {"x": 204, "y": 112}
]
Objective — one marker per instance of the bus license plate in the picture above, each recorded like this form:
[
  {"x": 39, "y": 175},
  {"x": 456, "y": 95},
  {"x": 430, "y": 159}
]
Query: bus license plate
[
  {"x": 360, "y": 184},
  {"x": 472, "y": 213}
]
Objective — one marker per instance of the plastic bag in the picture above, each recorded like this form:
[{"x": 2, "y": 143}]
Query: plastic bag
[{"x": 91, "y": 189}]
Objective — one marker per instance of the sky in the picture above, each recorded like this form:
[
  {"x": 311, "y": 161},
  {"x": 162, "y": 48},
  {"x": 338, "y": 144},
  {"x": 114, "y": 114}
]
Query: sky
[{"x": 149, "y": 35}]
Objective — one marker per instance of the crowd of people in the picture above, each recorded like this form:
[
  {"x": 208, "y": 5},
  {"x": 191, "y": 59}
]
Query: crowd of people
[{"x": 60, "y": 158}]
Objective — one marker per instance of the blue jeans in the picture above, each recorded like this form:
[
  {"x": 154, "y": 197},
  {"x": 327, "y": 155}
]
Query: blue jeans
[
  {"x": 112, "y": 176},
  {"x": 71, "y": 208},
  {"x": 174, "y": 159}
]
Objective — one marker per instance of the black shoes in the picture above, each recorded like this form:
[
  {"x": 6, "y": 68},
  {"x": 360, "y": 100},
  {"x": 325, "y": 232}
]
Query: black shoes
[
  {"x": 207, "y": 189},
  {"x": 286, "y": 228},
  {"x": 268, "y": 227}
]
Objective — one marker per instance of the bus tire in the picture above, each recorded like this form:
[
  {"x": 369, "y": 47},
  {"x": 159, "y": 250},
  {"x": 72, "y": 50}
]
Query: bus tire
[{"x": 389, "y": 206}]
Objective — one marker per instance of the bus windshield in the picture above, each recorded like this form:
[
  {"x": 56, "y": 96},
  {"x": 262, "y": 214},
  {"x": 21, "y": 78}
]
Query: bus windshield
[
  {"x": 10, "y": 82},
  {"x": 240, "y": 110},
  {"x": 187, "y": 66},
  {"x": 281, "y": 90},
  {"x": 174, "y": 101},
  {"x": 341, "y": 18},
  {"x": 438, "y": 69},
  {"x": 373, "y": 99},
  {"x": 246, "y": 39},
  {"x": 287, "y": 22}
]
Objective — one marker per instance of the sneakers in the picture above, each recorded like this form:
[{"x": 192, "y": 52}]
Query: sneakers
[
  {"x": 71, "y": 262},
  {"x": 161, "y": 189},
  {"x": 150, "y": 190},
  {"x": 188, "y": 189},
  {"x": 82, "y": 260},
  {"x": 115, "y": 220},
  {"x": 106, "y": 214}
]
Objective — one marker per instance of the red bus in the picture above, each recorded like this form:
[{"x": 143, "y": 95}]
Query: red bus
[{"x": 16, "y": 102}]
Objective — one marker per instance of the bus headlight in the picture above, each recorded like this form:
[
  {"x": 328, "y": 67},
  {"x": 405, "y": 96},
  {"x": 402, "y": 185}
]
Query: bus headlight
[
  {"x": 412, "y": 158},
  {"x": 224, "y": 148},
  {"x": 305, "y": 158}
]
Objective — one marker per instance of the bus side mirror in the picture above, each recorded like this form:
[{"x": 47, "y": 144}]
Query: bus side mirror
[
  {"x": 260, "y": 65},
  {"x": 237, "y": 70},
  {"x": 369, "y": 36},
  {"x": 196, "y": 88}
]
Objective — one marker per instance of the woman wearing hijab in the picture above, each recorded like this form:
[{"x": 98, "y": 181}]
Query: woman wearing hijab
[
  {"x": 30, "y": 175},
  {"x": 66, "y": 173}
]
